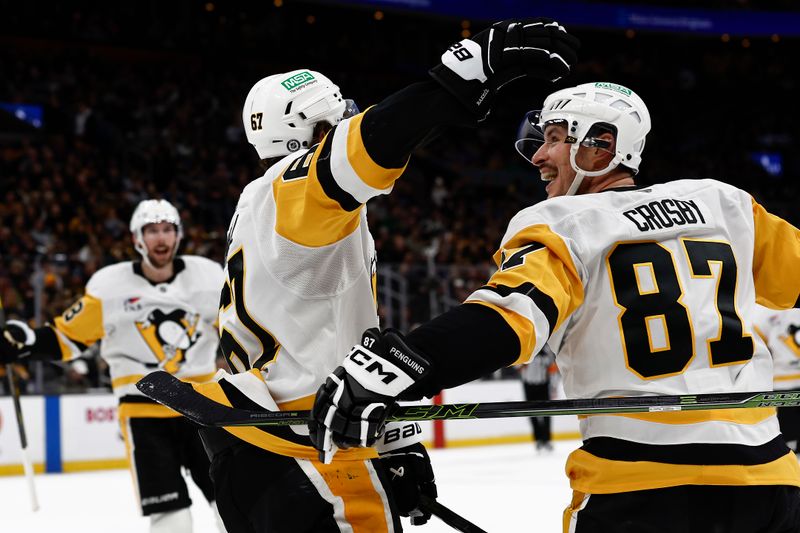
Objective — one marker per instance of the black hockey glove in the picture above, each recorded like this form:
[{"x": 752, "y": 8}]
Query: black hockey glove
[
  {"x": 15, "y": 339},
  {"x": 475, "y": 69},
  {"x": 352, "y": 405},
  {"x": 411, "y": 475}
]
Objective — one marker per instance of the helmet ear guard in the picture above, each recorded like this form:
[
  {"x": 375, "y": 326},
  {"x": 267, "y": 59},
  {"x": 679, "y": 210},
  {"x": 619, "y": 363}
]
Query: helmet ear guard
[{"x": 281, "y": 110}]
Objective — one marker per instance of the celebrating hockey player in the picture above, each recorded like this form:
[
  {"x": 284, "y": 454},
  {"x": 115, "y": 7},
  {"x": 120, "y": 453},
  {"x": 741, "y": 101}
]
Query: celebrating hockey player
[
  {"x": 638, "y": 291},
  {"x": 780, "y": 330},
  {"x": 301, "y": 279},
  {"x": 157, "y": 313}
]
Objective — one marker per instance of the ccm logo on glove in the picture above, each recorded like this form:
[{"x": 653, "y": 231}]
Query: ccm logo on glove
[{"x": 363, "y": 358}]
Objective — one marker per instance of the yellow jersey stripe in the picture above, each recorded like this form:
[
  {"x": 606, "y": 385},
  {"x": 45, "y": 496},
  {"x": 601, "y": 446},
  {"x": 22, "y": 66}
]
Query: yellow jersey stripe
[
  {"x": 737, "y": 416},
  {"x": 363, "y": 508},
  {"x": 368, "y": 170},
  {"x": 550, "y": 269},
  {"x": 776, "y": 255},
  {"x": 522, "y": 327},
  {"x": 81, "y": 323},
  {"x": 305, "y": 215},
  {"x": 595, "y": 475},
  {"x": 272, "y": 443},
  {"x": 300, "y": 404},
  {"x": 578, "y": 502}
]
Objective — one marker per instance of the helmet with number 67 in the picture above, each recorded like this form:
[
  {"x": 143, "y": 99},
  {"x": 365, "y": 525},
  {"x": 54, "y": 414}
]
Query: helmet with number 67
[{"x": 281, "y": 110}]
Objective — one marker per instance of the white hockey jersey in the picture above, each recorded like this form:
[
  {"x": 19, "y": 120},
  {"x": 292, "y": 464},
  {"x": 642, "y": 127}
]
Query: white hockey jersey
[
  {"x": 652, "y": 291},
  {"x": 780, "y": 330},
  {"x": 300, "y": 283},
  {"x": 144, "y": 326}
]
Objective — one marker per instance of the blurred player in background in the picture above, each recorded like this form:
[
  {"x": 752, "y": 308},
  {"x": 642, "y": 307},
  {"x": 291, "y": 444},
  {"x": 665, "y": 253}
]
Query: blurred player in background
[
  {"x": 638, "y": 291},
  {"x": 536, "y": 385},
  {"x": 300, "y": 284},
  {"x": 157, "y": 313},
  {"x": 780, "y": 330}
]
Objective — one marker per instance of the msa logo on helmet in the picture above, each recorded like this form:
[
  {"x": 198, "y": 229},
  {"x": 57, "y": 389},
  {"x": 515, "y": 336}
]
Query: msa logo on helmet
[
  {"x": 296, "y": 81},
  {"x": 613, "y": 87}
]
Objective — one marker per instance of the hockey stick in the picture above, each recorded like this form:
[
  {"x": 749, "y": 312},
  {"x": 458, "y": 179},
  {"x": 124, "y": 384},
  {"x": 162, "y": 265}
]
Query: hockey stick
[
  {"x": 181, "y": 397},
  {"x": 27, "y": 466},
  {"x": 451, "y": 518}
]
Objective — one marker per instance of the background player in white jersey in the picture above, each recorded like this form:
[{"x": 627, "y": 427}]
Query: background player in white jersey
[
  {"x": 301, "y": 279},
  {"x": 157, "y": 313},
  {"x": 780, "y": 330},
  {"x": 638, "y": 291}
]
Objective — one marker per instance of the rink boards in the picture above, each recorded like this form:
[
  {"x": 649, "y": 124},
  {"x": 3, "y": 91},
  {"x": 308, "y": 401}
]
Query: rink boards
[{"x": 81, "y": 432}]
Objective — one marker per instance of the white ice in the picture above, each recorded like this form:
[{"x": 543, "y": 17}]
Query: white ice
[{"x": 502, "y": 489}]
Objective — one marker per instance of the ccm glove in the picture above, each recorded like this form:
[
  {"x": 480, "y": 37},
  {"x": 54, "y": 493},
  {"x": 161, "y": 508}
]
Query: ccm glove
[
  {"x": 411, "y": 475},
  {"x": 15, "y": 341},
  {"x": 353, "y": 404},
  {"x": 475, "y": 69}
]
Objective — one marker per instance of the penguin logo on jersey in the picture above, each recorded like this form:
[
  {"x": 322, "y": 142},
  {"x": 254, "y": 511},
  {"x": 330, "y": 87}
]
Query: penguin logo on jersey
[
  {"x": 792, "y": 339},
  {"x": 170, "y": 336}
]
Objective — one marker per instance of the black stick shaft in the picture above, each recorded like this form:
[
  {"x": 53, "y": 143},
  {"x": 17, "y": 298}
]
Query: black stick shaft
[
  {"x": 14, "y": 391},
  {"x": 590, "y": 406},
  {"x": 175, "y": 394},
  {"x": 12, "y": 388},
  {"x": 449, "y": 517},
  {"x": 27, "y": 465}
]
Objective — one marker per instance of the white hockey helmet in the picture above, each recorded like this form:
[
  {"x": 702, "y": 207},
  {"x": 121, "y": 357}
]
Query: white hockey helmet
[
  {"x": 153, "y": 212},
  {"x": 280, "y": 111},
  {"x": 586, "y": 110}
]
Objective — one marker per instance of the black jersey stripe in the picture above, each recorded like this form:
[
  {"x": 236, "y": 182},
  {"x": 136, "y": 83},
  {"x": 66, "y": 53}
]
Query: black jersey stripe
[
  {"x": 328, "y": 182},
  {"x": 239, "y": 400},
  {"x": 686, "y": 454},
  {"x": 542, "y": 300}
]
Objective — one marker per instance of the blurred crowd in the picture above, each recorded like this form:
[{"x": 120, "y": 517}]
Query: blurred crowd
[{"x": 143, "y": 100}]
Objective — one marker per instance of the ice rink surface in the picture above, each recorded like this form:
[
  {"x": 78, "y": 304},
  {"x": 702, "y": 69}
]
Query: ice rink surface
[{"x": 502, "y": 489}]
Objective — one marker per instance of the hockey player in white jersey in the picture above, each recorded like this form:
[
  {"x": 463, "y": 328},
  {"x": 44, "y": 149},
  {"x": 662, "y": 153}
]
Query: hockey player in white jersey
[
  {"x": 780, "y": 331},
  {"x": 157, "y": 313},
  {"x": 638, "y": 291},
  {"x": 301, "y": 280}
]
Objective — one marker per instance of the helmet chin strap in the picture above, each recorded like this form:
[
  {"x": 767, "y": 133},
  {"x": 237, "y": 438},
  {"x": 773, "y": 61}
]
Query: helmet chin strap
[
  {"x": 142, "y": 249},
  {"x": 580, "y": 173}
]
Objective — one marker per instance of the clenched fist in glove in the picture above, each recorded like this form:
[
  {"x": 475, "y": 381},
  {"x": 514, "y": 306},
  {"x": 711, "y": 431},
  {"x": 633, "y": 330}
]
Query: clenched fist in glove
[
  {"x": 352, "y": 405},
  {"x": 474, "y": 69},
  {"x": 15, "y": 340},
  {"x": 411, "y": 475}
]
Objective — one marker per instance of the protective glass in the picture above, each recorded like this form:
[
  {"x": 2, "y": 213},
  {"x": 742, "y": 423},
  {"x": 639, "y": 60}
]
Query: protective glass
[
  {"x": 530, "y": 134},
  {"x": 350, "y": 108}
]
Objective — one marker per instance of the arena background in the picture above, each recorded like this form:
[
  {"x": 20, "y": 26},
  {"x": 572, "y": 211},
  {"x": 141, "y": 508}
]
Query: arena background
[{"x": 103, "y": 104}]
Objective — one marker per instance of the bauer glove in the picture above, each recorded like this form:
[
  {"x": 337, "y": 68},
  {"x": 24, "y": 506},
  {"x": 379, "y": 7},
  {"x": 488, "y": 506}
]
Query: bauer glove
[
  {"x": 15, "y": 341},
  {"x": 411, "y": 475}
]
